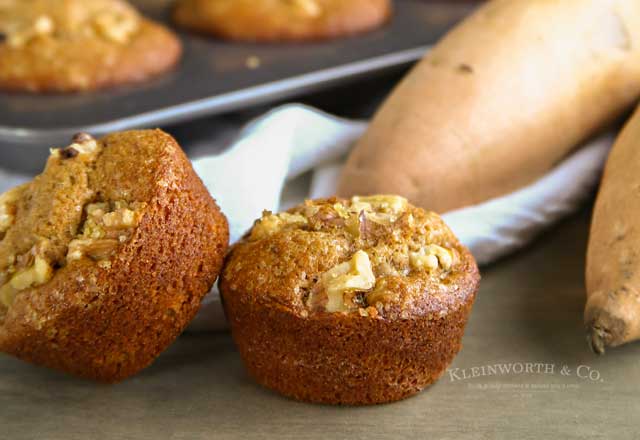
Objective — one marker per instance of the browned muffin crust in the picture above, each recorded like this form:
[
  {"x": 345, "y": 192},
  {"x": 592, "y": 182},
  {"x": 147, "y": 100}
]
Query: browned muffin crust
[
  {"x": 79, "y": 45},
  {"x": 281, "y": 20},
  {"x": 105, "y": 257},
  {"x": 349, "y": 301}
]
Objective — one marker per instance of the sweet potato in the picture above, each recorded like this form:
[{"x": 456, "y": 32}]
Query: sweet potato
[
  {"x": 612, "y": 314},
  {"x": 500, "y": 100}
]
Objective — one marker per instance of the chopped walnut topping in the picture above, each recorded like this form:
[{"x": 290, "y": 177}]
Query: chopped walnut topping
[
  {"x": 112, "y": 20},
  {"x": 83, "y": 145},
  {"x": 392, "y": 246},
  {"x": 385, "y": 203},
  {"x": 362, "y": 211},
  {"x": 309, "y": 209},
  {"x": 382, "y": 209},
  {"x": 309, "y": 8},
  {"x": 115, "y": 26},
  {"x": 106, "y": 226},
  {"x": 37, "y": 274},
  {"x": 88, "y": 147},
  {"x": 431, "y": 257},
  {"x": 121, "y": 218},
  {"x": 8, "y": 202},
  {"x": 271, "y": 223},
  {"x": 335, "y": 291},
  {"x": 380, "y": 294},
  {"x": 42, "y": 26},
  {"x": 385, "y": 269},
  {"x": 96, "y": 249},
  {"x": 80, "y": 138},
  {"x": 68, "y": 153}
]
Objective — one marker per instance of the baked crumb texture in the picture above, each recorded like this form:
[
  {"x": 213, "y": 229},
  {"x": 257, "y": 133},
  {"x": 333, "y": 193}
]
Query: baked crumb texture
[
  {"x": 77, "y": 45},
  {"x": 349, "y": 301},
  {"x": 281, "y": 20},
  {"x": 105, "y": 256}
]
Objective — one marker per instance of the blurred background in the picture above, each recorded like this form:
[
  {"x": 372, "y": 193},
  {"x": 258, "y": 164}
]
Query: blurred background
[{"x": 219, "y": 85}]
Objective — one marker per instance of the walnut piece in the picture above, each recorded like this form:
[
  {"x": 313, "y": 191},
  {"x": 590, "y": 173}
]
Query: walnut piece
[
  {"x": 380, "y": 294},
  {"x": 121, "y": 218},
  {"x": 270, "y": 223},
  {"x": 42, "y": 26},
  {"x": 82, "y": 145},
  {"x": 380, "y": 209},
  {"x": 310, "y": 8},
  {"x": 389, "y": 204},
  {"x": 431, "y": 257},
  {"x": 96, "y": 249},
  {"x": 117, "y": 27},
  {"x": 113, "y": 21},
  {"x": 35, "y": 275},
  {"x": 106, "y": 226},
  {"x": 8, "y": 202},
  {"x": 335, "y": 290}
]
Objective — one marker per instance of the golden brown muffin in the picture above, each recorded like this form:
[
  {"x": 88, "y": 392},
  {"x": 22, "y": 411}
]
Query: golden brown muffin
[
  {"x": 78, "y": 45},
  {"x": 281, "y": 20},
  {"x": 105, "y": 256},
  {"x": 355, "y": 301}
]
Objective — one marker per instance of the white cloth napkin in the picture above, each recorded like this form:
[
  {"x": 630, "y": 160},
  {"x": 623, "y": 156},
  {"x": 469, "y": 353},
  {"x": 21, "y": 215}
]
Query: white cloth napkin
[{"x": 261, "y": 168}]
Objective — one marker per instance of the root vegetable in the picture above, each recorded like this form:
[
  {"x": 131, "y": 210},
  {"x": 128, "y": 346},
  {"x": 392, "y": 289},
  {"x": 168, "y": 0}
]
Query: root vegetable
[
  {"x": 500, "y": 100},
  {"x": 612, "y": 313}
]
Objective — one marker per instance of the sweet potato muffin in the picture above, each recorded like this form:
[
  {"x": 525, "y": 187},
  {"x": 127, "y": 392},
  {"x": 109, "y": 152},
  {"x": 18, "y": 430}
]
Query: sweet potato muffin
[
  {"x": 76, "y": 45},
  {"x": 281, "y": 20},
  {"x": 105, "y": 256},
  {"x": 355, "y": 301}
]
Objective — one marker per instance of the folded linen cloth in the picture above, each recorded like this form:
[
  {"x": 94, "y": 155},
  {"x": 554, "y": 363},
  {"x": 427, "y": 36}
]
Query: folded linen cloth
[{"x": 261, "y": 168}]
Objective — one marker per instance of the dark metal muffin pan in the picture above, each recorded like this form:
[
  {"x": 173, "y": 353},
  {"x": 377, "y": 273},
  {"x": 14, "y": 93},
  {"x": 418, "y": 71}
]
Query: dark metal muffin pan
[{"x": 214, "y": 77}]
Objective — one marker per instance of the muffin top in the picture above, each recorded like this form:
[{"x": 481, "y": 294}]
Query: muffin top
[
  {"x": 269, "y": 20},
  {"x": 83, "y": 207},
  {"x": 76, "y": 45},
  {"x": 373, "y": 256},
  {"x": 26, "y": 22},
  {"x": 294, "y": 9}
]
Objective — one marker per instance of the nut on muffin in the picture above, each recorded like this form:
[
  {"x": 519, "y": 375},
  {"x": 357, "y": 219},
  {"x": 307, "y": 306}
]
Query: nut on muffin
[
  {"x": 357, "y": 301},
  {"x": 80, "y": 45},
  {"x": 106, "y": 255}
]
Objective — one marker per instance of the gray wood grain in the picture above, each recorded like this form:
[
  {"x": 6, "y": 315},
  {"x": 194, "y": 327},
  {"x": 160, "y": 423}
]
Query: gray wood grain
[{"x": 529, "y": 310}]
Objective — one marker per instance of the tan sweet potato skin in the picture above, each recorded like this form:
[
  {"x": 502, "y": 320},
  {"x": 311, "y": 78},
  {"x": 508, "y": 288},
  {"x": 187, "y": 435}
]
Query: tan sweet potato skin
[
  {"x": 500, "y": 100},
  {"x": 612, "y": 314}
]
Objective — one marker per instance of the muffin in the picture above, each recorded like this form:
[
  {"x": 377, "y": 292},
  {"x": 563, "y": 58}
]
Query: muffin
[
  {"x": 356, "y": 302},
  {"x": 106, "y": 255},
  {"x": 281, "y": 20},
  {"x": 78, "y": 45}
]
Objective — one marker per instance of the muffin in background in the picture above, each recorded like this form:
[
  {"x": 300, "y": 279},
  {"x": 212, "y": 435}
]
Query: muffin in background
[
  {"x": 281, "y": 20},
  {"x": 80, "y": 45}
]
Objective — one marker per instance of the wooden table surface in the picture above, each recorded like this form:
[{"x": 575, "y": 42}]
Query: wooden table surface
[{"x": 528, "y": 318}]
